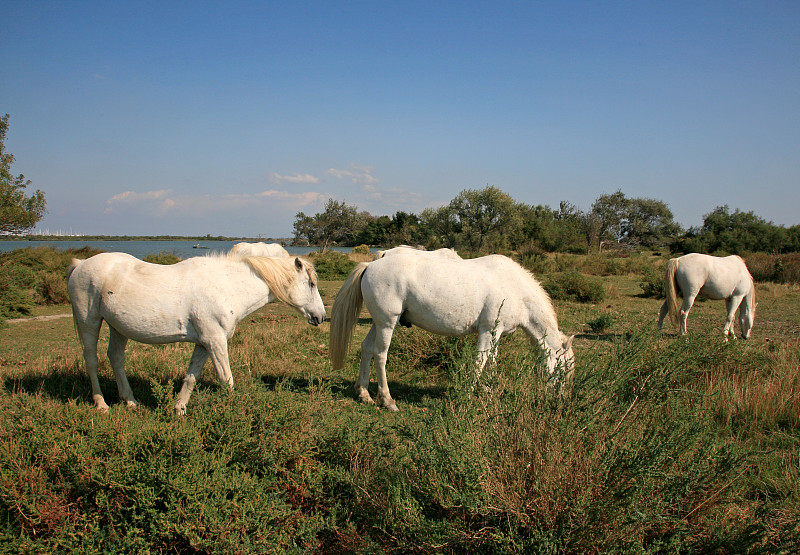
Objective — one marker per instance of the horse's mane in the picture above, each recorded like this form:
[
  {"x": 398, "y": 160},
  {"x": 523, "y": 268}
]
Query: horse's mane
[
  {"x": 543, "y": 298},
  {"x": 278, "y": 273}
]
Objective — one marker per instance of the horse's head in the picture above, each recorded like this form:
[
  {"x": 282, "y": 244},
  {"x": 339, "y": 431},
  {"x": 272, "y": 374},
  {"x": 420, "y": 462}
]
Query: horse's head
[
  {"x": 561, "y": 360},
  {"x": 304, "y": 295}
]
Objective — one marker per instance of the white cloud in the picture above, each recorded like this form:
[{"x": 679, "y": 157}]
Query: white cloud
[
  {"x": 158, "y": 200},
  {"x": 358, "y": 175},
  {"x": 294, "y": 179},
  {"x": 163, "y": 202}
]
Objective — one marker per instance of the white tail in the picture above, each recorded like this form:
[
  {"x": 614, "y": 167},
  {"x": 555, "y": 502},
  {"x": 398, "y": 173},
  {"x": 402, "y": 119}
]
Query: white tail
[
  {"x": 672, "y": 290},
  {"x": 344, "y": 315}
]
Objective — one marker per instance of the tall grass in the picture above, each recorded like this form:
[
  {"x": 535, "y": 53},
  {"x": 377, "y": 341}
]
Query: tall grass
[
  {"x": 641, "y": 453},
  {"x": 658, "y": 444}
]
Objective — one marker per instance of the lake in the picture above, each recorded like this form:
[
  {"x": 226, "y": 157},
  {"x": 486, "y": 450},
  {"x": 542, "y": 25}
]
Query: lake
[{"x": 140, "y": 249}]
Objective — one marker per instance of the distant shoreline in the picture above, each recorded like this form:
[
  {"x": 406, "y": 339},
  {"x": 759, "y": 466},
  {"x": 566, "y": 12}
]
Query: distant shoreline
[{"x": 282, "y": 240}]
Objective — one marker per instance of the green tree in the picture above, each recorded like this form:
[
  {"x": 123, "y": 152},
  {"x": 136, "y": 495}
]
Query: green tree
[
  {"x": 18, "y": 213},
  {"x": 337, "y": 224},
  {"x": 737, "y": 232},
  {"x": 648, "y": 223},
  {"x": 488, "y": 219}
]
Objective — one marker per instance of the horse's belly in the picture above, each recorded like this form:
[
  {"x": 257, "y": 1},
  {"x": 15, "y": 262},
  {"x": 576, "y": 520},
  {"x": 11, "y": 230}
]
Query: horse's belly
[
  {"x": 442, "y": 322},
  {"x": 147, "y": 323}
]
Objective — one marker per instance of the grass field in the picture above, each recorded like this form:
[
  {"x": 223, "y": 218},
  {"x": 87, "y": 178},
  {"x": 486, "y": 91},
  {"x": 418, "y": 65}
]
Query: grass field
[{"x": 661, "y": 444}]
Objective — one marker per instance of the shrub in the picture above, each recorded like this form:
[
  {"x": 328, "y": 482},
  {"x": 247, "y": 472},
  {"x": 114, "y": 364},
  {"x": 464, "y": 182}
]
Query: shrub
[
  {"x": 601, "y": 323},
  {"x": 533, "y": 258},
  {"x": 332, "y": 265},
  {"x": 51, "y": 288},
  {"x": 574, "y": 286},
  {"x": 652, "y": 283},
  {"x": 165, "y": 258},
  {"x": 780, "y": 268},
  {"x": 35, "y": 275},
  {"x": 361, "y": 249}
]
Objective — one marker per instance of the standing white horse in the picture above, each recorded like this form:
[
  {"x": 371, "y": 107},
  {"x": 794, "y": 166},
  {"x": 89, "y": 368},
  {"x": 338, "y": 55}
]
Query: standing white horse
[
  {"x": 712, "y": 277},
  {"x": 491, "y": 296},
  {"x": 259, "y": 249},
  {"x": 199, "y": 300}
]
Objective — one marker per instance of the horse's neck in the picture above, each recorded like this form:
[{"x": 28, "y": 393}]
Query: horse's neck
[{"x": 251, "y": 291}]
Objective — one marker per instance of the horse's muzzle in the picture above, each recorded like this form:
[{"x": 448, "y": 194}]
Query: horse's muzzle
[{"x": 316, "y": 320}]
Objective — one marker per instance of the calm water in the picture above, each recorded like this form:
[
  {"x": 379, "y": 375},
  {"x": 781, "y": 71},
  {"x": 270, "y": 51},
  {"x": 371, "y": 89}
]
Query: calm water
[{"x": 140, "y": 249}]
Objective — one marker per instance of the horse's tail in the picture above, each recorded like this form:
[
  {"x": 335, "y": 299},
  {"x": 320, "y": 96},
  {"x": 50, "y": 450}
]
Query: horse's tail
[
  {"x": 671, "y": 288},
  {"x": 344, "y": 315},
  {"x": 75, "y": 263}
]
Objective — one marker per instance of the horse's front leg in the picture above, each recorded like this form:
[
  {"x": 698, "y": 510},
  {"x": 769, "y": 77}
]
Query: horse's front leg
[
  {"x": 116, "y": 356},
  {"x": 662, "y": 314},
  {"x": 199, "y": 357},
  {"x": 487, "y": 352},
  {"x": 362, "y": 383},
  {"x": 731, "y": 304}
]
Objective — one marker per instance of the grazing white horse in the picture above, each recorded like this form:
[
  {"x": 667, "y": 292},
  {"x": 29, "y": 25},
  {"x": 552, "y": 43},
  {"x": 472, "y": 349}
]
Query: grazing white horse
[
  {"x": 199, "y": 300},
  {"x": 259, "y": 249},
  {"x": 491, "y": 296},
  {"x": 712, "y": 277}
]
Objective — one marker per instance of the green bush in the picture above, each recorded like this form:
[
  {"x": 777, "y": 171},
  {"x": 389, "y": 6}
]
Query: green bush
[
  {"x": 35, "y": 275},
  {"x": 601, "y": 323},
  {"x": 165, "y": 258},
  {"x": 361, "y": 249},
  {"x": 332, "y": 265},
  {"x": 574, "y": 286},
  {"x": 51, "y": 288},
  {"x": 778, "y": 268},
  {"x": 652, "y": 283}
]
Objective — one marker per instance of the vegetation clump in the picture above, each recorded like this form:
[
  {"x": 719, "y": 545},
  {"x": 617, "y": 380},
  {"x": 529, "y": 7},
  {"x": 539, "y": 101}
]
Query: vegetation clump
[{"x": 575, "y": 286}]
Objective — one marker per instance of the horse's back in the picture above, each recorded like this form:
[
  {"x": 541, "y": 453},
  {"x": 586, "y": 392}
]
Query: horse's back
[
  {"x": 446, "y": 295},
  {"x": 715, "y": 277}
]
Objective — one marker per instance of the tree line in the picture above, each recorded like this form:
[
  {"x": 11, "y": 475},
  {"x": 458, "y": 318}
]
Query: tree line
[{"x": 490, "y": 220}]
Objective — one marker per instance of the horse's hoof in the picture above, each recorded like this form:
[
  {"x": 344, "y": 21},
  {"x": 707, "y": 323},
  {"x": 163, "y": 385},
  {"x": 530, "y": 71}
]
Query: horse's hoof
[
  {"x": 365, "y": 398},
  {"x": 180, "y": 410},
  {"x": 392, "y": 408}
]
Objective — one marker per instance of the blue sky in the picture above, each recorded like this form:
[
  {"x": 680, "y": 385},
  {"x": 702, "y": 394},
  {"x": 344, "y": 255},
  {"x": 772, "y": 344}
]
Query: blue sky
[{"x": 188, "y": 118}]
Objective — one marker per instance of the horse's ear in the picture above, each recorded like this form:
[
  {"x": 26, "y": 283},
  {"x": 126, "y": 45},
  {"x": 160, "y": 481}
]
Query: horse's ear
[
  {"x": 567, "y": 345},
  {"x": 298, "y": 263}
]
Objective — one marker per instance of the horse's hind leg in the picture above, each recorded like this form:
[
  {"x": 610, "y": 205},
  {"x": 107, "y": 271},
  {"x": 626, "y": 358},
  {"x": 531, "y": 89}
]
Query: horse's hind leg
[
  {"x": 688, "y": 301},
  {"x": 380, "y": 350},
  {"x": 89, "y": 333},
  {"x": 116, "y": 356},
  {"x": 362, "y": 383},
  {"x": 199, "y": 357}
]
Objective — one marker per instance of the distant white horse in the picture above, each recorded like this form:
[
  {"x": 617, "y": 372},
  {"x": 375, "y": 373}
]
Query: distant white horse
[
  {"x": 405, "y": 249},
  {"x": 712, "y": 277},
  {"x": 259, "y": 249},
  {"x": 491, "y": 296},
  {"x": 199, "y": 300}
]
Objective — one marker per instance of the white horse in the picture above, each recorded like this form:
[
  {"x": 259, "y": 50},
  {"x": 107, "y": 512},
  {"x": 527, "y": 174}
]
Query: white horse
[
  {"x": 405, "y": 249},
  {"x": 199, "y": 300},
  {"x": 259, "y": 249},
  {"x": 491, "y": 296},
  {"x": 712, "y": 277}
]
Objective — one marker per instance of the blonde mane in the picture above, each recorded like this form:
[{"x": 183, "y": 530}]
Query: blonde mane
[
  {"x": 278, "y": 273},
  {"x": 543, "y": 297}
]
